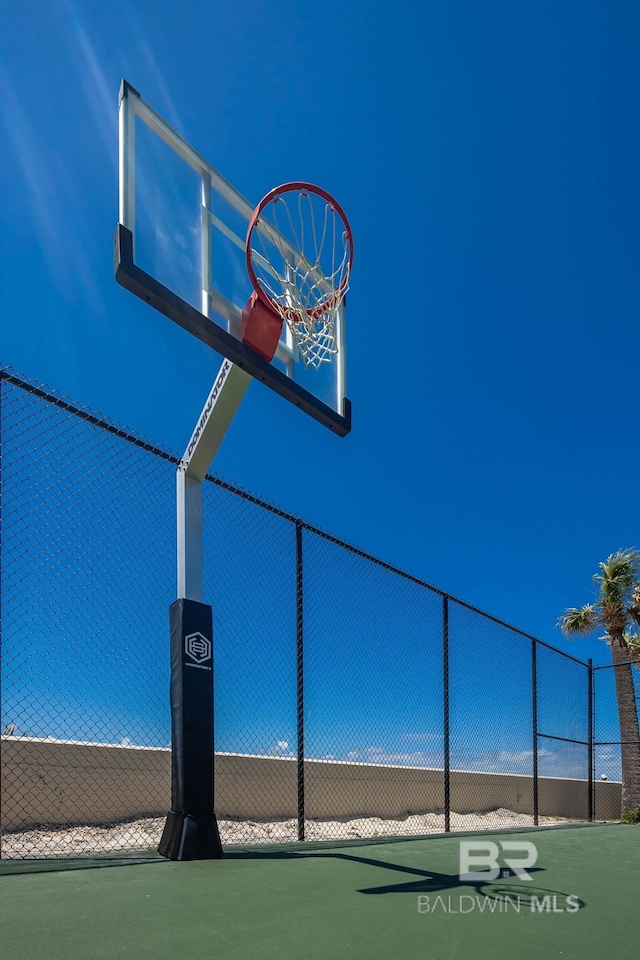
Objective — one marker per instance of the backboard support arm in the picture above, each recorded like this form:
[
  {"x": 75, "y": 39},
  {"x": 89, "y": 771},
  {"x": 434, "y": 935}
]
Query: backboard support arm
[{"x": 219, "y": 410}]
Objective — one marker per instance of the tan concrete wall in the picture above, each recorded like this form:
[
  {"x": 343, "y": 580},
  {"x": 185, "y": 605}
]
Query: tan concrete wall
[
  {"x": 353, "y": 789},
  {"x": 57, "y": 782}
]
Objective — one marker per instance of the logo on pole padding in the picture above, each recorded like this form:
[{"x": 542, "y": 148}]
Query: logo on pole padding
[{"x": 197, "y": 647}]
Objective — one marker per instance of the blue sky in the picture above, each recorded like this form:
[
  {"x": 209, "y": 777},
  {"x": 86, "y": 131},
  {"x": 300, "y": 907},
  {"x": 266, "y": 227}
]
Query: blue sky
[{"x": 487, "y": 157}]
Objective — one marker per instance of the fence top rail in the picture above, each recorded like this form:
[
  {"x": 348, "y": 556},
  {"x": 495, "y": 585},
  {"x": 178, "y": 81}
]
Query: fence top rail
[
  {"x": 98, "y": 421},
  {"x": 49, "y": 396},
  {"x": 612, "y": 666},
  {"x": 523, "y": 633},
  {"x": 388, "y": 566}
]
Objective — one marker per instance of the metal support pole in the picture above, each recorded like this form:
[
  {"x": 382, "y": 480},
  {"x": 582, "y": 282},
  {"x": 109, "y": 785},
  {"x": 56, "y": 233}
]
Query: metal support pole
[
  {"x": 189, "y": 528},
  {"x": 191, "y": 828},
  {"x": 218, "y": 412},
  {"x": 446, "y": 718}
]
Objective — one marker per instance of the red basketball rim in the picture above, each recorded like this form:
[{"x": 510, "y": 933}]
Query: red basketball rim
[{"x": 317, "y": 311}]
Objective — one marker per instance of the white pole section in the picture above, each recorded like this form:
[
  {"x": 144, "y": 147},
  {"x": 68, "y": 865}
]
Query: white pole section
[{"x": 218, "y": 412}]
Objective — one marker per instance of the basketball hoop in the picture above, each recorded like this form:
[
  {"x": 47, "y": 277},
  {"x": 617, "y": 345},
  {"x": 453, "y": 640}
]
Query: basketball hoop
[{"x": 299, "y": 253}]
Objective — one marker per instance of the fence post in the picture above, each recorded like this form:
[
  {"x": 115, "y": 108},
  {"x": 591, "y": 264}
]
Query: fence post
[
  {"x": 534, "y": 718},
  {"x": 447, "y": 730},
  {"x": 2, "y": 382},
  {"x": 300, "y": 678},
  {"x": 590, "y": 714}
]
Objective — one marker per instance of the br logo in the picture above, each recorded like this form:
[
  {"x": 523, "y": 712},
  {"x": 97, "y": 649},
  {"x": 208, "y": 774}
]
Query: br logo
[
  {"x": 487, "y": 854},
  {"x": 197, "y": 647}
]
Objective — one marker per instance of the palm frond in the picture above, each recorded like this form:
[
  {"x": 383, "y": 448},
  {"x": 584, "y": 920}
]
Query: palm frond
[
  {"x": 579, "y": 622},
  {"x": 619, "y": 575},
  {"x": 633, "y": 646},
  {"x": 634, "y": 609}
]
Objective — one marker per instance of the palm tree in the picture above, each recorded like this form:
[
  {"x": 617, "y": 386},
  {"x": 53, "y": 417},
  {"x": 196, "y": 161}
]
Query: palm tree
[{"x": 617, "y": 609}]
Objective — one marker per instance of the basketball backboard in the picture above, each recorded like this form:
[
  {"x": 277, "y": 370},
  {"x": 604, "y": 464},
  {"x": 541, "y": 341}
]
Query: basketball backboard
[{"x": 180, "y": 247}]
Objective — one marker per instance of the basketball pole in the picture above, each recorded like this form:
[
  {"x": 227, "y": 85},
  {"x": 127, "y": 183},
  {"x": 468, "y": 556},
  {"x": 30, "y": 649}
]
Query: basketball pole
[
  {"x": 191, "y": 828},
  {"x": 247, "y": 336}
]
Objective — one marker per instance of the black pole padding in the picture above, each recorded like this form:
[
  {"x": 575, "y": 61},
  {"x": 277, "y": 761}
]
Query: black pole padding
[{"x": 191, "y": 829}]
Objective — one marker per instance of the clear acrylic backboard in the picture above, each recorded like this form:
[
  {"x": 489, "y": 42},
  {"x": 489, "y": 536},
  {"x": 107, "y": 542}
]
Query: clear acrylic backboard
[{"x": 180, "y": 246}]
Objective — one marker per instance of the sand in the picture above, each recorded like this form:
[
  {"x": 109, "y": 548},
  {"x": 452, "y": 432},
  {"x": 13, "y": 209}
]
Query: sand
[{"x": 144, "y": 834}]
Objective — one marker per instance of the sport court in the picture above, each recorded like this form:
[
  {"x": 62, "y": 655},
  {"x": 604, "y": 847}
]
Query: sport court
[
  {"x": 399, "y": 899},
  {"x": 345, "y": 900}
]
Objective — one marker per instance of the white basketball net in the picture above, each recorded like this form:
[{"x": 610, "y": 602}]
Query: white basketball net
[{"x": 300, "y": 251}]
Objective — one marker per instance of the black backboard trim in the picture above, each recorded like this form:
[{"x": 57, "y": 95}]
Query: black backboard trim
[{"x": 147, "y": 288}]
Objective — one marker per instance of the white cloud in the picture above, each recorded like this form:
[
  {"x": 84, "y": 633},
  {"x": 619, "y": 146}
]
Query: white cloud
[{"x": 281, "y": 749}]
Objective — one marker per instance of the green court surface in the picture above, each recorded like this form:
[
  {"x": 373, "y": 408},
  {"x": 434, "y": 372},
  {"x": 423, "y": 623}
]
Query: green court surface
[{"x": 321, "y": 902}]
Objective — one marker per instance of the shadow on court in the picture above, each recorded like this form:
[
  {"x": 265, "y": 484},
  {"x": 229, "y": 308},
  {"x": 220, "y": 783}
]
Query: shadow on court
[
  {"x": 428, "y": 882},
  {"x": 423, "y": 882}
]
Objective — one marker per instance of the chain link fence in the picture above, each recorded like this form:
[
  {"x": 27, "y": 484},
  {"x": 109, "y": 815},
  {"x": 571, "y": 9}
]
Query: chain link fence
[
  {"x": 612, "y": 751},
  {"x": 351, "y": 699}
]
